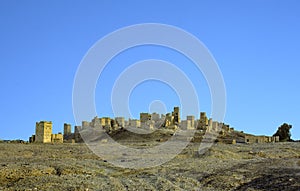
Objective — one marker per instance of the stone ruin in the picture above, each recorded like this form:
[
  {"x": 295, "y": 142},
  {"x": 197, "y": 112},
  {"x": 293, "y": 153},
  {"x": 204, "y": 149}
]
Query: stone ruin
[{"x": 43, "y": 130}]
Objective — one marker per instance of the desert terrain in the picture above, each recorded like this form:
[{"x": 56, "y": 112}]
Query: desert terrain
[{"x": 269, "y": 166}]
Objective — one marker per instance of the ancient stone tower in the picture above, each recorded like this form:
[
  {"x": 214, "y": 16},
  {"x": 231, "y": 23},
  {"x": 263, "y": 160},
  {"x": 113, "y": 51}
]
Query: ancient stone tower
[
  {"x": 77, "y": 136},
  {"x": 43, "y": 132},
  {"x": 176, "y": 115},
  {"x": 105, "y": 122},
  {"x": 192, "y": 119},
  {"x": 203, "y": 121},
  {"x": 67, "y": 129},
  {"x": 85, "y": 124},
  {"x": 145, "y": 117}
]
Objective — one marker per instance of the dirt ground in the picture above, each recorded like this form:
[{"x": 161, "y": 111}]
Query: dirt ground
[{"x": 272, "y": 166}]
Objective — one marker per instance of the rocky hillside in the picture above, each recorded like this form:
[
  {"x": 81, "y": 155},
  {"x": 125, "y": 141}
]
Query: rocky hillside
[{"x": 273, "y": 166}]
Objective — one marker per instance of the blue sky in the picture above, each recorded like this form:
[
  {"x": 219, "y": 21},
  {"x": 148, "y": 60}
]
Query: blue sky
[{"x": 255, "y": 43}]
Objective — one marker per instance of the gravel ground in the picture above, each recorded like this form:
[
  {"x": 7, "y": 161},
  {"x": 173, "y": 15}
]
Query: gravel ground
[{"x": 273, "y": 166}]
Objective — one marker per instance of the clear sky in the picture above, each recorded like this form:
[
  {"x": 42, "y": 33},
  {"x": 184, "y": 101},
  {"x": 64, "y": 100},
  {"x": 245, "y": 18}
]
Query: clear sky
[{"x": 255, "y": 43}]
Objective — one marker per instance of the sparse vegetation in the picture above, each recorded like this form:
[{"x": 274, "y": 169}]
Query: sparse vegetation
[{"x": 284, "y": 132}]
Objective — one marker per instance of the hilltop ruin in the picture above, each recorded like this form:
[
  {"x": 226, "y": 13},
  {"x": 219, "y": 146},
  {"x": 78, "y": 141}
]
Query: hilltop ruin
[{"x": 151, "y": 122}]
